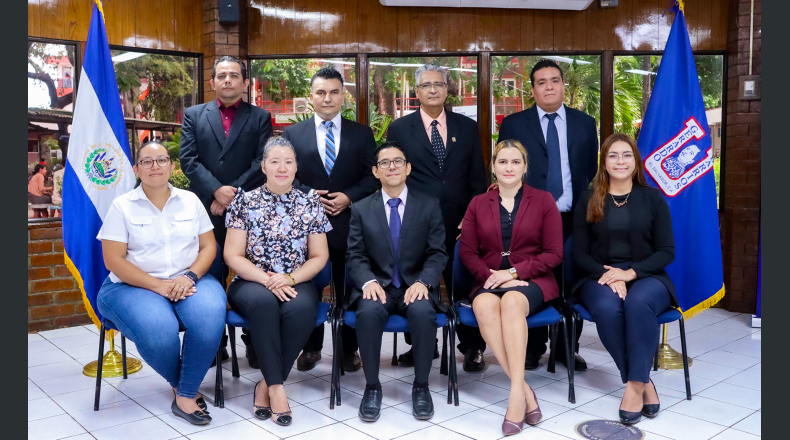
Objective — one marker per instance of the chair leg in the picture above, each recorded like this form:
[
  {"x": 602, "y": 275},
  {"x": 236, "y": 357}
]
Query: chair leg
[
  {"x": 552, "y": 347},
  {"x": 685, "y": 357},
  {"x": 395, "y": 348},
  {"x": 333, "y": 327},
  {"x": 98, "y": 369},
  {"x": 453, "y": 366},
  {"x": 655, "y": 358},
  {"x": 219, "y": 389},
  {"x": 234, "y": 361},
  {"x": 443, "y": 367},
  {"x": 338, "y": 360},
  {"x": 123, "y": 355},
  {"x": 570, "y": 342}
]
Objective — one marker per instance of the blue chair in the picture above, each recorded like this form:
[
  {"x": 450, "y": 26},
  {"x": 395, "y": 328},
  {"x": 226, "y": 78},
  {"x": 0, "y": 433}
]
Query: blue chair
[
  {"x": 579, "y": 312},
  {"x": 395, "y": 324},
  {"x": 551, "y": 316},
  {"x": 234, "y": 319}
]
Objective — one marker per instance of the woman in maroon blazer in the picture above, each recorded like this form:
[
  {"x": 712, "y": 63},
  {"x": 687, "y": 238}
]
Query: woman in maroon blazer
[{"x": 510, "y": 241}]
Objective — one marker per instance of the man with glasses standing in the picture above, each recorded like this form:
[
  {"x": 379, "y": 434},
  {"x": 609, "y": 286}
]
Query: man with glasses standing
[
  {"x": 447, "y": 163},
  {"x": 562, "y": 156},
  {"x": 222, "y": 149}
]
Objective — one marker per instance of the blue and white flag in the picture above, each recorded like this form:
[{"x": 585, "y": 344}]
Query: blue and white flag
[
  {"x": 99, "y": 166},
  {"x": 676, "y": 147}
]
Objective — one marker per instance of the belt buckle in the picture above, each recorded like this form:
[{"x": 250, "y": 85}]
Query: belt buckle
[{"x": 506, "y": 254}]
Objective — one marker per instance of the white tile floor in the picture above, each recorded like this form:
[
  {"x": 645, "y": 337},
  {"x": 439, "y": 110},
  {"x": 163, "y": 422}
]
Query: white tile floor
[{"x": 725, "y": 381}]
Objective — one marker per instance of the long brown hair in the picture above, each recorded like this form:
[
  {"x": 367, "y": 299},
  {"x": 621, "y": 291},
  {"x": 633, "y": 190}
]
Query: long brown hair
[{"x": 601, "y": 181}]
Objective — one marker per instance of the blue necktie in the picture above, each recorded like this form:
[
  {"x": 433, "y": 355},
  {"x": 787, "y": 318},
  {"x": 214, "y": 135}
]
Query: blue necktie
[
  {"x": 554, "y": 175},
  {"x": 331, "y": 155},
  {"x": 395, "y": 233},
  {"x": 437, "y": 144}
]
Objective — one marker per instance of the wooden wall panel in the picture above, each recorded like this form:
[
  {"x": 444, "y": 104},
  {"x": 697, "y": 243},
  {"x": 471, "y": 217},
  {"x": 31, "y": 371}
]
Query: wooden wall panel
[{"x": 157, "y": 24}]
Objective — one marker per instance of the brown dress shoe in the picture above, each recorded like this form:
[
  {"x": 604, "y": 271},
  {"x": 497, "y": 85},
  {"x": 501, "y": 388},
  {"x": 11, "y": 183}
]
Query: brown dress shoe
[
  {"x": 352, "y": 362},
  {"x": 307, "y": 360}
]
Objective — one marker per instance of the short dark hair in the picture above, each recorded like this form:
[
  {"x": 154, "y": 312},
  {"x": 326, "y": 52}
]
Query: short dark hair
[
  {"x": 149, "y": 143},
  {"x": 327, "y": 72},
  {"x": 542, "y": 64},
  {"x": 387, "y": 145},
  {"x": 38, "y": 168},
  {"x": 229, "y": 59}
]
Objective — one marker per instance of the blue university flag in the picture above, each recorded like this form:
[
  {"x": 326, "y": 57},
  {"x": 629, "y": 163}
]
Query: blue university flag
[
  {"x": 675, "y": 144},
  {"x": 98, "y": 167}
]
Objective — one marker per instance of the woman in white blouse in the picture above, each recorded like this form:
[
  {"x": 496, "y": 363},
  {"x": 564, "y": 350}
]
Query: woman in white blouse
[{"x": 158, "y": 243}]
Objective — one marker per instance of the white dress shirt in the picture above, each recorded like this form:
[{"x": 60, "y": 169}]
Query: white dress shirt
[
  {"x": 401, "y": 209},
  {"x": 320, "y": 135},
  {"x": 561, "y": 122},
  {"x": 163, "y": 244}
]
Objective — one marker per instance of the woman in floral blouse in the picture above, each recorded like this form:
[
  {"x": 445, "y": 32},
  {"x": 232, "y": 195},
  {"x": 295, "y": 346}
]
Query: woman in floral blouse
[{"x": 276, "y": 243}]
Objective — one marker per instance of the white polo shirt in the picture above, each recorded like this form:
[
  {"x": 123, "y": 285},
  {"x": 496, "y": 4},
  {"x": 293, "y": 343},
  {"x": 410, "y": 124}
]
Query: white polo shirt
[{"x": 163, "y": 244}]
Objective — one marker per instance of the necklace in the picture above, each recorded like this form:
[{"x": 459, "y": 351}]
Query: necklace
[{"x": 620, "y": 205}]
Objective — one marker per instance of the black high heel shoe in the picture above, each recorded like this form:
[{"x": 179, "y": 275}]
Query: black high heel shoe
[
  {"x": 650, "y": 410},
  {"x": 195, "y": 418},
  {"x": 201, "y": 403},
  {"x": 260, "y": 412},
  {"x": 630, "y": 417}
]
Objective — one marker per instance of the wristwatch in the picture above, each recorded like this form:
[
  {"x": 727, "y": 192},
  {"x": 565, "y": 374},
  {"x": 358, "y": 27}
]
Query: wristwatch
[
  {"x": 424, "y": 284},
  {"x": 513, "y": 272},
  {"x": 192, "y": 276}
]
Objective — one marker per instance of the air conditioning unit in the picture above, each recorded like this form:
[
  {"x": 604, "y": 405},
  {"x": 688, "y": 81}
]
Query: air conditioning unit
[{"x": 301, "y": 105}]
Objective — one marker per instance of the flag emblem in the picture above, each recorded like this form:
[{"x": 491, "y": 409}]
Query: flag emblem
[
  {"x": 103, "y": 165},
  {"x": 679, "y": 162}
]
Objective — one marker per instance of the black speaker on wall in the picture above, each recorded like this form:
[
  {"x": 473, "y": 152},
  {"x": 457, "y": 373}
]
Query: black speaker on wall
[{"x": 228, "y": 11}]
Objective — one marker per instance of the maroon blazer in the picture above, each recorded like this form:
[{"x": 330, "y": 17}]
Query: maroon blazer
[{"x": 535, "y": 246}]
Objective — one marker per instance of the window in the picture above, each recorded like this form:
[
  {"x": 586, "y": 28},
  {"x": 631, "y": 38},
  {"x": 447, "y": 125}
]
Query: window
[
  {"x": 49, "y": 75},
  {"x": 511, "y": 86},
  {"x": 392, "y": 84},
  {"x": 282, "y": 86},
  {"x": 634, "y": 78}
]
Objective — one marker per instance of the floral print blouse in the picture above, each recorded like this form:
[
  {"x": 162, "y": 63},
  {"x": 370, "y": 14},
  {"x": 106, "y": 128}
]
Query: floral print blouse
[{"x": 277, "y": 226}]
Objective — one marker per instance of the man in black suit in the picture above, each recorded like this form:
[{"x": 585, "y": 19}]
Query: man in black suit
[
  {"x": 447, "y": 163},
  {"x": 395, "y": 258},
  {"x": 562, "y": 156},
  {"x": 335, "y": 157},
  {"x": 221, "y": 150}
]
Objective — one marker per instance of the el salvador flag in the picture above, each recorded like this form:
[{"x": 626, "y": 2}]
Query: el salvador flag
[
  {"x": 676, "y": 148},
  {"x": 98, "y": 167}
]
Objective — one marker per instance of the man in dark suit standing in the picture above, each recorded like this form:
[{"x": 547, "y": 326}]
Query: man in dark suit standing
[
  {"x": 222, "y": 148},
  {"x": 335, "y": 158},
  {"x": 395, "y": 258},
  {"x": 447, "y": 163},
  {"x": 562, "y": 156}
]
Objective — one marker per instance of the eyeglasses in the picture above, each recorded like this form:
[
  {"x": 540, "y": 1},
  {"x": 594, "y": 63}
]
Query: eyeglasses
[
  {"x": 427, "y": 86},
  {"x": 614, "y": 157},
  {"x": 148, "y": 163},
  {"x": 399, "y": 163}
]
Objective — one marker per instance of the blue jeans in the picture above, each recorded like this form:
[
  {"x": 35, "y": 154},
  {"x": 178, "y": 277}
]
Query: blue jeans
[{"x": 153, "y": 322}]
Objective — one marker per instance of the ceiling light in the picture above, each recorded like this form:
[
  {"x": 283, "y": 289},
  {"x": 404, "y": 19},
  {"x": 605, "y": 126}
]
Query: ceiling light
[
  {"x": 128, "y": 56},
  {"x": 566, "y": 60},
  {"x": 336, "y": 62},
  {"x": 641, "y": 72}
]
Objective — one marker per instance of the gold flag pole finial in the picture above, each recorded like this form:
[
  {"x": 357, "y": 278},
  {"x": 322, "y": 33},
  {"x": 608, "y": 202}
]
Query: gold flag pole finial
[{"x": 680, "y": 5}]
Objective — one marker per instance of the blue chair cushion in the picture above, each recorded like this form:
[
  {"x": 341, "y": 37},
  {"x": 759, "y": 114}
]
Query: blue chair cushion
[
  {"x": 547, "y": 316},
  {"x": 670, "y": 315},
  {"x": 583, "y": 312},
  {"x": 323, "y": 309},
  {"x": 395, "y": 323}
]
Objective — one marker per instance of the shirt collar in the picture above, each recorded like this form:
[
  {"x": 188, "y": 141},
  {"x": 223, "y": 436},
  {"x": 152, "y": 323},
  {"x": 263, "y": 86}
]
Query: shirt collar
[
  {"x": 289, "y": 195},
  {"x": 402, "y": 195},
  {"x": 336, "y": 120},
  {"x": 560, "y": 112},
  {"x": 138, "y": 193},
  {"x": 427, "y": 119},
  {"x": 221, "y": 105}
]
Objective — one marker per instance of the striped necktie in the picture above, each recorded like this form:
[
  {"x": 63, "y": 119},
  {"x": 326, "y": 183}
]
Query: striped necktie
[{"x": 331, "y": 154}]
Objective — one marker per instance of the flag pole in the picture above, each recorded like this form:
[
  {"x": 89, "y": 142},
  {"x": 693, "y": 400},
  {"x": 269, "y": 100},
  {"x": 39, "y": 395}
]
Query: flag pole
[{"x": 668, "y": 358}]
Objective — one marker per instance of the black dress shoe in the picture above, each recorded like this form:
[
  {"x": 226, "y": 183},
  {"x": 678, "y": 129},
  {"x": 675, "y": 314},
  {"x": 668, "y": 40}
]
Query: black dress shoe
[
  {"x": 421, "y": 403},
  {"x": 650, "y": 410},
  {"x": 370, "y": 407},
  {"x": 531, "y": 362},
  {"x": 352, "y": 362},
  {"x": 407, "y": 359},
  {"x": 260, "y": 412},
  {"x": 579, "y": 364},
  {"x": 473, "y": 360},
  {"x": 307, "y": 360},
  {"x": 630, "y": 417},
  {"x": 196, "y": 418}
]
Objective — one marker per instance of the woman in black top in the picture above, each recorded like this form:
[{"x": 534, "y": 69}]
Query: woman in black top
[{"x": 622, "y": 241}]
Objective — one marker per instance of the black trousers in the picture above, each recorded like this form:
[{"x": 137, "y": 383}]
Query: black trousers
[
  {"x": 372, "y": 316},
  {"x": 538, "y": 336},
  {"x": 628, "y": 328},
  {"x": 279, "y": 329},
  {"x": 316, "y": 340}
]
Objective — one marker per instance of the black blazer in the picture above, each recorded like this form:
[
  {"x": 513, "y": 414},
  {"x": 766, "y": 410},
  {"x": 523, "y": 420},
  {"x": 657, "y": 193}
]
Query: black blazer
[
  {"x": 464, "y": 175},
  {"x": 524, "y": 127},
  {"x": 421, "y": 249},
  {"x": 351, "y": 175},
  {"x": 211, "y": 161},
  {"x": 652, "y": 242}
]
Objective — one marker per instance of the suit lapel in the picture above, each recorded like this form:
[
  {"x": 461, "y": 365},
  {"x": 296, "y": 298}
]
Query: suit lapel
[
  {"x": 311, "y": 136},
  {"x": 380, "y": 213},
  {"x": 570, "y": 120},
  {"x": 452, "y": 134},
  {"x": 533, "y": 123},
  {"x": 493, "y": 206},
  {"x": 239, "y": 121},
  {"x": 409, "y": 212},
  {"x": 345, "y": 145},
  {"x": 418, "y": 131},
  {"x": 215, "y": 121},
  {"x": 526, "y": 196}
]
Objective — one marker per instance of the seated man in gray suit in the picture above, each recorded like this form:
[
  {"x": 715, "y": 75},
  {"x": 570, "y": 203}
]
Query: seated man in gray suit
[{"x": 396, "y": 256}]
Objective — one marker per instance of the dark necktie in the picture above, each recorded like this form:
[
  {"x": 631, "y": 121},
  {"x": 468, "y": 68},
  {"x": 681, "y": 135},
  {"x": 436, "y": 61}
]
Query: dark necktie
[
  {"x": 438, "y": 144},
  {"x": 395, "y": 233},
  {"x": 554, "y": 176},
  {"x": 329, "y": 162}
]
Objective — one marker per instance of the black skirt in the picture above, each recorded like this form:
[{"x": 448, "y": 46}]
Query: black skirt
[{"x": 532, "y": 292}]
